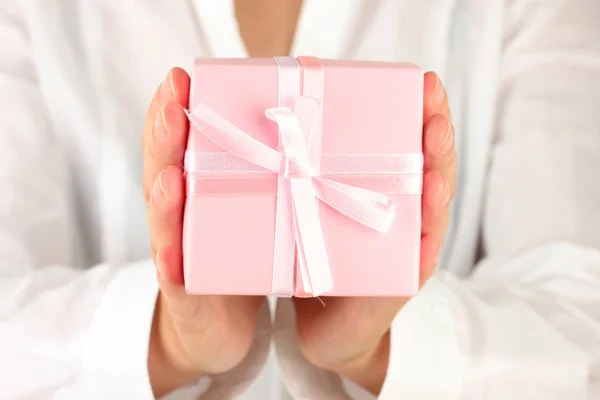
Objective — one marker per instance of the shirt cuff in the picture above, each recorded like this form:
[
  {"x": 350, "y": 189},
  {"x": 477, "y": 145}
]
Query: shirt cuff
[
  {"x": 115, "y": 352},
  {"x": 425, "y": 362}
]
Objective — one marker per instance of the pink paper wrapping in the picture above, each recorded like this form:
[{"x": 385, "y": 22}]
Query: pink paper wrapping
[{"x": 228, "y": 238}]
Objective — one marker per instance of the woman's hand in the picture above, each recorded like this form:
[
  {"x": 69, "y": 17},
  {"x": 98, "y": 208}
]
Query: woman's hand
[
  {"x": 191, "y": 335},
  {"x": 351, "y": 335}
]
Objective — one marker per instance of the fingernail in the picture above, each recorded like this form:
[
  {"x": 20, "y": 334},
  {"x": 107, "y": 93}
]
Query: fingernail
[
  {"x": 166, "y": 89},
  {"x": 160, "y": 125},
  {"x": 448, "y": 141},
  {"x": 158, "y": 191}
]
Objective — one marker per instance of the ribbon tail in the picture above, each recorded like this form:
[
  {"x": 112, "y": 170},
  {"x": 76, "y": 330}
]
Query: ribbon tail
[
  {"x": 285, "y": 243},
  {"x": 369, "y": 208},
  {"x": 312, "y": 254},
  {"x": 303, "y": 265}
]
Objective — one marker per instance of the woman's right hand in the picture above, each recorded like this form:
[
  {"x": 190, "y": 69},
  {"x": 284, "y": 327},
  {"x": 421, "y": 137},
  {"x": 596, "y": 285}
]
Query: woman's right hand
[{"x": 191, "y": 335}]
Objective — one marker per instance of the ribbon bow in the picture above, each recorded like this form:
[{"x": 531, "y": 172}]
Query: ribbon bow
[{"x": 297, "y": 164}]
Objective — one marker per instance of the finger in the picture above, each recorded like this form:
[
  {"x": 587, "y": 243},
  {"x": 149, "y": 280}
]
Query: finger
[
  {"x": 175, "y": 87},
  {"x": 165, "y": 214},
  {"x": 435, "y": 99},
  {"x": 329, "y": 336},
  {"x": 169, "y": 261},
  {"x": 439, "y": 150},
  {"x": 430, "y": 250},
  {"x": 435, "y": 206},
  {"x": 169, "y": 264},
  {"x": 217, "y": 330},
  {"x": 165, "y": 219},
  {"x": 167, "y": 145}
]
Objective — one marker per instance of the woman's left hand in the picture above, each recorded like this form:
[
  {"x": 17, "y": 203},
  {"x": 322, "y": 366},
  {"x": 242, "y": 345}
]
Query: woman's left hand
[{"x": 351, "y": 336}]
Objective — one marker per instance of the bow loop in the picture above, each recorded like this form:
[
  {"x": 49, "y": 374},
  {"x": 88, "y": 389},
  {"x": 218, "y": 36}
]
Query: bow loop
[{"x": 293, "y": 137}]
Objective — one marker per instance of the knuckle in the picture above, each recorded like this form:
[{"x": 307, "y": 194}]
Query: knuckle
[
  {"x": 152, "y": 228},
  {"x": 153, "y": 250},
  {"x": 152, "y": 110},
  {"x": 148, "y": 179},
  {"x": 437, "y": 216},
  {"x": 152, "y": 151},
  {"x": 447, "y": 110},
  {"x": 453, "y": 158},
  {"x": 449, "y": 159},
  {"x": 452, "y": 183},
  {"x": 444, "y": 210}
]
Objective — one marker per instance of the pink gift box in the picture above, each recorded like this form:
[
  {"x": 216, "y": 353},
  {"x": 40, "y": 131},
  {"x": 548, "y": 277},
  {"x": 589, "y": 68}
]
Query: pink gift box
[{"x": 364, "y": 108}]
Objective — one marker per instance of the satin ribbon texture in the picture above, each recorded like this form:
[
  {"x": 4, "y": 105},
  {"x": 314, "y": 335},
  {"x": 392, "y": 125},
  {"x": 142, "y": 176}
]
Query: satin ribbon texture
[{"x": 299, "y": 164}]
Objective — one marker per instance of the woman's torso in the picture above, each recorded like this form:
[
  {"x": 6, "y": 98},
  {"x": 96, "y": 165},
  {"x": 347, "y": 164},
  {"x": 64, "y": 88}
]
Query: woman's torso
[{"x": 99, "y": 63}]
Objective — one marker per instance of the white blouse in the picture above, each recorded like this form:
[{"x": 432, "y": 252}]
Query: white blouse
[{"x": 514, "y": 311}]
